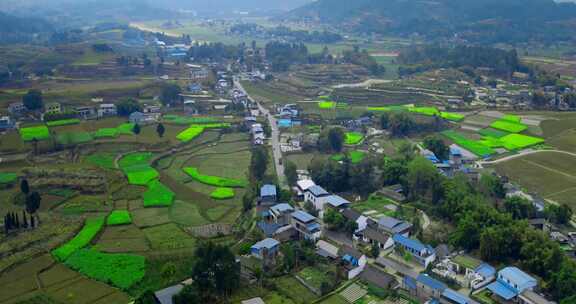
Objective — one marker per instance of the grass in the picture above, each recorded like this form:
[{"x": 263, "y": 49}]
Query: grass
[
  {"x": 375, "y": 203},
  {"x": 38, "y": 133},
  {"x": 63, "y": 122},
  {"x": 509, "y": 126},
  {"x": 467, "y": 261},
  {"x": 353, "y": 138},
  {"x": 354, "y": 156},
  {"x": 291, "y": 288},
  {"x": 125, "y": 129},
  {"x": 119, "y": 217},
  {"x": 190, "y": 133},
  {"x": 120, "y": 270},
  {"x": 102, "y": 160},
  {"x": 214, "y": 180},
  {"x": 222, "y": 193},
  {"x": 106, "y": 133},
  {"x": 8, "y": 178},
  {"x": 158, "y": 195},
  {"x": 452, "y": 116},
  {"x": 471, "y": 145},
  {"x": 314, "y": 276},
  {"x": 326, "y": 105},
  {"x": 82, "y": 239}
]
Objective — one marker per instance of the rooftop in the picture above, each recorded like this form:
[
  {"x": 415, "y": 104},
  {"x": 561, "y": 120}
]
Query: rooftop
[
  {"x": 517, "y": 276},
  {"x": 431, "y": 282},
  {"x": 254, "y": 301},
  {"x": 268, "y": 190},
  {"x": 502, "y": 290},
  {"x": 337, "y": 201},
  {"x": 393, "y": 225},
  {"x": 411, "y": 243},
  {"x": 165, "y": 295},
  {"x": 281, "y": 208},
  {"x": 266, "y": 243},
  {"x": 457, "y": 297},
  {"x": 305, "y": 184},
  {"x": 318, "y": 191},
  {"x": 303, "y": 216},
  {"x": 485, "y": 270}
]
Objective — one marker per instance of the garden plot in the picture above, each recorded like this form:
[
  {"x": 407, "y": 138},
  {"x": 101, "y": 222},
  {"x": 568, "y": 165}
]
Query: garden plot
[
  {"x": 8, "y": 178},
  {"x": 182, "y": 120},
  {"x": 158, "y": 195},
  {"x": 137, "y": 169},
  {"x": 291, "y": 288},
  {"x": 168, "y": 237},
  {"x": 74, "y": 291},
  {"x": 73, "y": 138},
  {"x": 214, "y": 180},
  {"x": 150, "y": 217},
  {"x": 187, "y": 214},
  {"x": 119, "y": 217},
  {"x": 82, "y": 239},
  {"x": 102, "y": 160},
  {"x": 190, "y": 133},
  {"x": 35, "y": 133},
  {"x": 353, "y": 138},
  {"x": 20, "y": 280},
  {"x": 222, "y": 193}
]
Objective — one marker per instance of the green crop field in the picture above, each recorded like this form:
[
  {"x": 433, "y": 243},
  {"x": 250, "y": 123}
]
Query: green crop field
[
  {"x": 168, "y": 237},
  {"x": 181, "y": 120},
  {"x": 471, "y": 145},
  {"x": 222, "y": 193},
  {"x": 8, "y": 178},
  {"x": 38, "y": 133},
  {"x": 326, "y": 105},
  {"x": 119, "y": 217},
  {"x": 354, "y": 156},
  {"x": 106, "y": 132},
  {"x": 121, "y": 270},
  {"x": 512, "y": 118},
  {"x": 492, "y": 133},
  {"x": 353, "y": 138},
  {"x": 126, "y": 129},
  {"x": 82, "y": 239},
  {"x": 509, "y": 126},
  {"x": 519, "y": 141},
  {"x": 452, "y": 116},
  {"x": 214, "y": 180},
  {"x": 63, "y": 122},
  {"x": 137, "y": 169},
  {"x": 158, "y": 195},
  {"x": 190, "y": 133},
  {"x": 428, "y": 111},
  {"x": 73, "y": 138},
  {"x": 102, "y": 160}
]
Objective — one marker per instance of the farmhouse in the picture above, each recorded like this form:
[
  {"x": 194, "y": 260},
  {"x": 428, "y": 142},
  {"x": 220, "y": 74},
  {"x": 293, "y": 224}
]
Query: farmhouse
[
  {"x": 326, "y": 249},
  {"x": 266, "y": 250},
  {"x": 306, "y": 225},
  {"x": 142, "y": 118},
  {"x": 317, "y": 196},
  {"x": 107, "y": 110},
  {"x": 6, "y": 123},
  {"x": 268, "y": 195},
  {"x": 354, "y": 261},
  {"x": 393, "y": 226},
  {"x": 16, "y": 108},
  {"x": 85, "y": 112},
  {"x": 281, "y": 214},
  {"x": 511, "y": 282},
  {"x": 53, "y": 108},
  {"x": 423, "y": 254}
]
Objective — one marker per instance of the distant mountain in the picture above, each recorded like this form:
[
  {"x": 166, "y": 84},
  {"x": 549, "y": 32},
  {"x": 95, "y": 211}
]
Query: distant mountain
[
  {"x": 15, "y": 29},
  {"x": 472, "y": 20},
  {"x": 231, "y": 5}
]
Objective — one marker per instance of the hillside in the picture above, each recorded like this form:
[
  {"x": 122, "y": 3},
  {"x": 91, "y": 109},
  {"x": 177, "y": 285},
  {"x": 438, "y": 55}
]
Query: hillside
[
  {"x": 15, "y": 29},
  {"x": 472, "y": 20}
]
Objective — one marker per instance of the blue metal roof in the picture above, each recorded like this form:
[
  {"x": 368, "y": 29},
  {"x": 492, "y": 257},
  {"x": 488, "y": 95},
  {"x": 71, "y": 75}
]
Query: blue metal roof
[
  {"x": 485, "y": 270},
  {"x": 431, "y": 282},
  {"x": 313, "y": 227},
  {"x": 456, "y": 297},
  {"x": 410, "y": 282},
  {"x": 318, "y": 191},
  {"x": 502, "y": 290},
  {"x": 518, "y": 276},
  {"x": 337, "y": 201},
  {"x": 455, "y": 151},
  {"x": 266, "y": 243},
  {"x": 410, "y": 243},
  {"x": 280, "y": 208},
  {"x": 268, "y": 228},
  {"x": 303, "y": 216},
  {"x": 268, "y": 190}
]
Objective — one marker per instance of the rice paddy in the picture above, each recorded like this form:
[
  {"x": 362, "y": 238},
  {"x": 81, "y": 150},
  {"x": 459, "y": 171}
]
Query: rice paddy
[
  {"x": 222, "y": 193},
  {"x": 119, "y": 217},
  {"x": 82, "y": 239},
  {"x": 509, "y": 126},
  {"x": 190, "y": 133},
  {"x": 326, "y": 105},
  {"x": 158, "y": 195}
]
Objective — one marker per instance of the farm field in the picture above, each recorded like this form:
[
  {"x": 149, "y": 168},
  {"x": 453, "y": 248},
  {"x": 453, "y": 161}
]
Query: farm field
[{"x": 551, "y": 175}]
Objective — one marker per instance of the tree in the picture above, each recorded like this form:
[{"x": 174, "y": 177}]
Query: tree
[
  {"x": 128, "y": 106},
  {"x": 33, "y": 100},
  {"x": 290, "y": 170},
  {"x": 392, "y": 171},
  {"x": 332, "y": 140},
  {"x": 422, "y": 180},
  {"x": 146, "y": 298},
  {"x": 215, "y": 273},
  {"x": 519, "y": 207},
  {"x": 136, "y": 129},
  {"x": 385, "y": 120},
  {"x": 24, "y": 187},
  {"x": 33, "y": 202},
  {"x": 401, "y": 124},
  {"x": 160, "y": 130},
  {"x": 189, "y": 294},
  {"x": 375, "y": 250},
  {"x": 334, "y": 219},
  {"x": 491, "y": 185},
  {"x": 437, "y": 146},
  {"x": 558, "y": 214},
  {"x": 259, "y": 162},
  {"x": 170, "y": 93}
]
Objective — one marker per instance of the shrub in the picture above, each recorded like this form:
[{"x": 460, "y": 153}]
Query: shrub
[{"x": 82, "y": 239}]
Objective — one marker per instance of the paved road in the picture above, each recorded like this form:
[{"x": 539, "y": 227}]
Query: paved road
[
  {"x": 524, "y": 153},
  {"x": 275, "y": 138},
  {"x": 403, "y": 269}
]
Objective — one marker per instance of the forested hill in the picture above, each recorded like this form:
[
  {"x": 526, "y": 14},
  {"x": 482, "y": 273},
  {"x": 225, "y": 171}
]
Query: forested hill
[
  {"x": 472, "y": 20},
  {"x": 19, "y": 29}
]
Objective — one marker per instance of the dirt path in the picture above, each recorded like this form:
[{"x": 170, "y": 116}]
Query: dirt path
[{"x": 523, "y": 153}]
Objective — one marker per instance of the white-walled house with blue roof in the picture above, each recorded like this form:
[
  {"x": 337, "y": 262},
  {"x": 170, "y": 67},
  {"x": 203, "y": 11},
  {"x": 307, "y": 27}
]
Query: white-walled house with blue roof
[
  {"x": 511, "y": 282},
  {"x": 426, "y": 288},
  {"x": 306, "y": 225},
  {"x": 266, "y": 249},
  {"x": 422, "y": 254},
  {"x": 317, "y": 196},
  {"x": 268, "y": 195}
]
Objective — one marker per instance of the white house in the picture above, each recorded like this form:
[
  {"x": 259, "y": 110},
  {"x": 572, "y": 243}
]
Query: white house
[
  {"x": 107, "y": 109},
  {"x": 317, "y": 196},
  {"x": 354, "y": 261}
]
